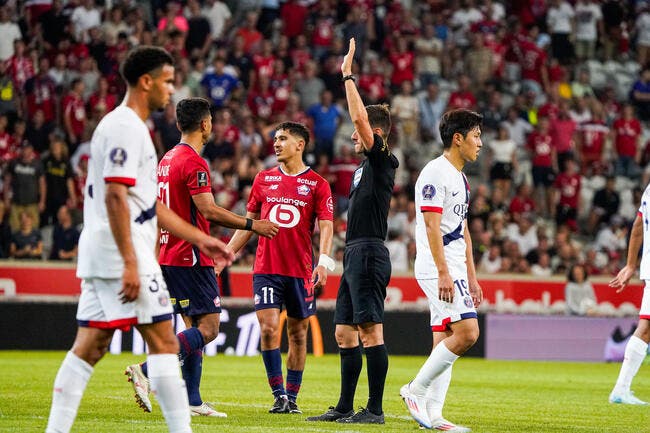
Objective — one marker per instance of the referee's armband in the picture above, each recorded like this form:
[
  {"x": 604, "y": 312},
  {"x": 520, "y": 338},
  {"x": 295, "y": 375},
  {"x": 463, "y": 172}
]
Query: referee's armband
[{"x": 327, "y": 262}]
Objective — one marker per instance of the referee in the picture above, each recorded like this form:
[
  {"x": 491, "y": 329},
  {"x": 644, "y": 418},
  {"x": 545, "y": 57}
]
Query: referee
[{"x": 360, "y": 300}]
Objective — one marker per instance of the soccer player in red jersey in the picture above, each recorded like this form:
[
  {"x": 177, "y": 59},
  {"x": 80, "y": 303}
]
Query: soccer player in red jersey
[
  {"x": 184, "y": 185},
  {"x": 294, "y": 196}
]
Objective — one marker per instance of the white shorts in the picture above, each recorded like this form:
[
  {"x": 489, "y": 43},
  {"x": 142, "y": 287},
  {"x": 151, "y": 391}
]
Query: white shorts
[
  {"x": 100, "y": 305},
  {"x": 644, "y": 311},
  {"x": 443, "y": 313}
]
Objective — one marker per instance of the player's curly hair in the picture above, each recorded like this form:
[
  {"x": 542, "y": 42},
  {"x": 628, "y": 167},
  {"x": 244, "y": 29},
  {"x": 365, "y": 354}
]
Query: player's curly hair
[
  {"x": 190, "y": 112},
  {"x": 144, "y": 60},
  {"x": 379, "y": 117},
  {"x": 295, "y": 128},
  {"x": 459, "y": 121}
]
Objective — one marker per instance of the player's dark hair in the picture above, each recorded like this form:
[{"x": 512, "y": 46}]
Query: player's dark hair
[
  {"x": 379, "y": 117},
  {"x": 459, "y": 121},
  {"x": 190, "y": 112},
  {"x": 295, "y": 128},
  {"x": 143, "y": 60}
]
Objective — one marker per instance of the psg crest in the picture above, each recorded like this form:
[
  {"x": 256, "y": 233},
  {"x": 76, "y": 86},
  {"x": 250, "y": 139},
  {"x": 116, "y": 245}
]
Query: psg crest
[{"x": 428, "y": 192}]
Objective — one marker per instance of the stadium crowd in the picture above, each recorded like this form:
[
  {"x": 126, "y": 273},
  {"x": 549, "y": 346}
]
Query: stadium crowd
[{"x": 564, "y": 88}]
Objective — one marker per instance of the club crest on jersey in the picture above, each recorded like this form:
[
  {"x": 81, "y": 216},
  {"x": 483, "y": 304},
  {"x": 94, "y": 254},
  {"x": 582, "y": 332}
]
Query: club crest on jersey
[
  {"x": 330, "y": 204},
  {"x": 303, "y": 190},
  {"x": 428, "y": 192},
  {"x": 118, "y": 156},
  {"x": 357, "y": 177},
  {"x": 468, "y": 302},
  {"x": 257, "y": 299},
  {"x": 202, "y": 178},
  {"x": 217, "y": 301},
  {"x": 163, "y": 300}
]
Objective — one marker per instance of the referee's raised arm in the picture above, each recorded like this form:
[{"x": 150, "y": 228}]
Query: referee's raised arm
[{"x": 358, "y": 112}]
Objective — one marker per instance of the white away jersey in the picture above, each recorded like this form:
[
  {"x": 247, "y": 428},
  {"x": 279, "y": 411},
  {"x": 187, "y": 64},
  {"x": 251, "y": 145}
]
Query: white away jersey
[
  {"x": 440, "y": 188},
  {"x": 121, "y": 151},
  {"x": 644, "y": 214}
]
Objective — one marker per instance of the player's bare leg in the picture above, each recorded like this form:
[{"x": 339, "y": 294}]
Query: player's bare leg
[
  {"x": 89, "y": 347},
  {"x": 269, "y": 320},
  {"x": 163, "y": 369},
  {"x": 635, "y": 353},
  {"x": 297, "y": 335}
]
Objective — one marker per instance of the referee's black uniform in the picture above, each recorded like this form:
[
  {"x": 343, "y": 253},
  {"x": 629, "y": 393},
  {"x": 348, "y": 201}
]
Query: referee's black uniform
[{"x": 366, "y": 261}]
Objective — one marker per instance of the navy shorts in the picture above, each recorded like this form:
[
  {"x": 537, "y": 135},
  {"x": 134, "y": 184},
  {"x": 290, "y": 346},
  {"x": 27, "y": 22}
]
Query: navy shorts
[
  {"x": 193, "y": 290},
  {"x": 297, "y": 294},
  {"x": 366, "y": 273}
]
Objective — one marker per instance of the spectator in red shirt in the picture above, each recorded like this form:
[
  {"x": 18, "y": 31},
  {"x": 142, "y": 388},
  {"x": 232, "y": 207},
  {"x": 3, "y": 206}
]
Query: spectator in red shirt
[
  {"x": 8, "y": 149},
  {"x": 301, "y": 53},
  {"x": 590, "y": 142},
  {"x": 343, "y": 167},
  {"x": 532, "y": 61},
  {"x": 248, "y": 31},
  {"x": 567, "y": 191},
  {"x": 627, "y": 136},
  {"x": 403, "y": 61},
  {"x": 102, "y": 101},
  {"x": 73, "y": 111},
  {"x": 563, "y": 130},
  {"x": 522, "y": 202},
  {"x": 463, "y": 97},
  {"x": 323, "y": 33},
  {"x": 263, "y": 62},
  {"x": 294, "y": 16},
  {"x": 280, "y": 86},
  {"x": 20, "y": 66},
  {"x": 372, "y": 83},
  {"x": 544, "y": 160}
]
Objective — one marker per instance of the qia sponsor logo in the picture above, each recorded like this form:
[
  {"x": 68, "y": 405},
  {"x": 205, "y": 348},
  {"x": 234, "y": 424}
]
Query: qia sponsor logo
[{"x": 303, "y": 190}]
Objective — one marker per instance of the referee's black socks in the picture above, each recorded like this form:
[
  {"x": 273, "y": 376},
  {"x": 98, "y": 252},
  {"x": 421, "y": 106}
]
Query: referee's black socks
[
  {"x": 377, "y": 360},
  {"x": 351, "y": 363}
]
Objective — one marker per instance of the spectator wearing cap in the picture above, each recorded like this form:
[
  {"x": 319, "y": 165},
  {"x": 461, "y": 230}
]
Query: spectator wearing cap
[{"x": 24, "y": 187}]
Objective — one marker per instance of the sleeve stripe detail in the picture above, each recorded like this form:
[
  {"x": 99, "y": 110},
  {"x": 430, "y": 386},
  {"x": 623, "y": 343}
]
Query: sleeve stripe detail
[
  {"x": 431, "y": 209},
  {"x": 639, "y": 214},
  {"x": 128, "y": 181}
]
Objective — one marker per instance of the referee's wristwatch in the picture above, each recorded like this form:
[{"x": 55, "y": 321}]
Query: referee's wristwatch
[{"x": 349, "y": 77}]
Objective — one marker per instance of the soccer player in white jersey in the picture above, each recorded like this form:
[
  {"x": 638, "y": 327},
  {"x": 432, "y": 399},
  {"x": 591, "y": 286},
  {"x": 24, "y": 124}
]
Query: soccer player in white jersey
[
  {"x": 122, "y": 283},
  {"x": 637, "y": 347},
  {"x": 444, "y": 266}
]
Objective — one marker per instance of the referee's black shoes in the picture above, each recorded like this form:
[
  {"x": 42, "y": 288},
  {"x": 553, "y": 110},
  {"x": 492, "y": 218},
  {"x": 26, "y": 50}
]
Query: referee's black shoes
[
  {"x": 364, "y": 416},
  {"x": 331, "y": 415}
]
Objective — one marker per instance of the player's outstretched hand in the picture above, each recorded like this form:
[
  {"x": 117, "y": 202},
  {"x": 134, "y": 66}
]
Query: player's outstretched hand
[
  {"x": 445, "y": 288},
  {"x": 346, "y": 66},
  {"x": 319, "y": 278},
  {"x": 265, "y": 228},
  {"x": 130, "y": 283},
  {"x": 622, "y": 278},
  {"x": 220, "y": 252}
]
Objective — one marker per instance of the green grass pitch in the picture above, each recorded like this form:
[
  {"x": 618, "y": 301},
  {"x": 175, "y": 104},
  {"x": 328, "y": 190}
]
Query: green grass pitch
[{"x": 488, "y": 396}]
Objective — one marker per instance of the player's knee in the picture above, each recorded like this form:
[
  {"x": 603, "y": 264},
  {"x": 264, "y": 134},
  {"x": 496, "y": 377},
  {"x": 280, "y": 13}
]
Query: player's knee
[
  {"x": 346, "y": 339},
  {"x": 471, "y": 337},
  {"x": 209, "y": 332}
]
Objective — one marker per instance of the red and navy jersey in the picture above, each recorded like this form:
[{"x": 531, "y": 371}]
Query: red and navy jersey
[
  {"x": 182, "y": 173},
  {"x": 294, "y": 203}
]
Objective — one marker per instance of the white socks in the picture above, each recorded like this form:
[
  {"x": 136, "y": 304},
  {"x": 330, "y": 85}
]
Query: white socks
[
  {"x": 440, "y": 360},
  {"x": 437, "y": 393},
  {"x": 69, "y": 387},
  {"x": 635, "y": 353},
  {"x": 169, "y": 388}
]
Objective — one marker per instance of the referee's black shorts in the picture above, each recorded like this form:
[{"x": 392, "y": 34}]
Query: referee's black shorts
[{"x": 366, "y": 273}]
